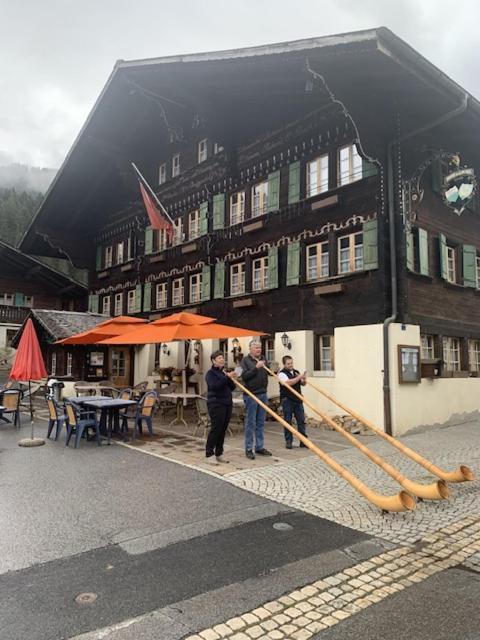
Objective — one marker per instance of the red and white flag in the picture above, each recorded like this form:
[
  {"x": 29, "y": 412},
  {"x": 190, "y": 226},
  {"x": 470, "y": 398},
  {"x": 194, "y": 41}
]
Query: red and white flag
[{"x": 158, "y": 218}]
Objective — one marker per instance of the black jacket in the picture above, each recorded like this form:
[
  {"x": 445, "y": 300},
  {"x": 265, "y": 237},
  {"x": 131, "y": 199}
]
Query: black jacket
[
  {"x": 220, "y": 387},
  {"x": 254, "y": 379},
  {"x": 284, "y": 390}
]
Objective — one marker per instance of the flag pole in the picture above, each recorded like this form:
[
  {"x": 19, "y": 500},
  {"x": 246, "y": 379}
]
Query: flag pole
[{"x": 164, "y": 211}]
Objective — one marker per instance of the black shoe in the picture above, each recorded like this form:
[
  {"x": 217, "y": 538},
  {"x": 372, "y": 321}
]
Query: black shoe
[
  {"x": 263, "y": 452},
  {"x": 288, "y": 445},
  {"x": 302, "y": 444},
  {"x": 250, "y": 455}
]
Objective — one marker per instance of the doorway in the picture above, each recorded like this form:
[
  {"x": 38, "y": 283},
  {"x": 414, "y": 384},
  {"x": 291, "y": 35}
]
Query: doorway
[{"x": 120, "y": 367}]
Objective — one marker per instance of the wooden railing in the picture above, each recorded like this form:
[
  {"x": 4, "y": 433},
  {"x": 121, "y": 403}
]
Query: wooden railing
[{"x": 12, "y": 314}]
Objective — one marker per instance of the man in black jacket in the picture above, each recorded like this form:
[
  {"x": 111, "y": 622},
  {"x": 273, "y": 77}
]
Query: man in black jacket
[
  {"x": 255, "y": 379},
  {"x": 292, "y": 405},
  {"x": 219, "y": 403}
]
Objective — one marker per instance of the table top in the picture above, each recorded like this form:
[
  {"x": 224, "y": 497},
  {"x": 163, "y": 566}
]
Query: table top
[
  {"x": 109, "y": 403},
  {"x": 82, "y": 399}
]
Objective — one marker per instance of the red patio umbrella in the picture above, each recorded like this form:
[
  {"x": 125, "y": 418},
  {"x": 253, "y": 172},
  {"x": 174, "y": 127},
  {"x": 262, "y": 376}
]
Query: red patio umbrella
[{"x": 29, "y": 365}]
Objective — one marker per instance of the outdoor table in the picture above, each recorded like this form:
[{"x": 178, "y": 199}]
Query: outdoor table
[
  {"x": 108, "y": 407},
  {"x": 179, "y": 398}
]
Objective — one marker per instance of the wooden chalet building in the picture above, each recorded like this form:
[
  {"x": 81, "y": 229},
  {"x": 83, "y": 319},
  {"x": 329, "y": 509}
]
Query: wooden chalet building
[{"x": 311, "y": 187}]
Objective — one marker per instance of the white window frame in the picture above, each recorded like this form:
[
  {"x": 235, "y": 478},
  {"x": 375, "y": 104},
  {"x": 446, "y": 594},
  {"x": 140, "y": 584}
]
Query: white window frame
[
  {"x": 354, "y": 253},
  {"x": 129, "y": 248},
  {"x": 237, "y": 279},
  {"x": 269, "y": 350},
  {"x": 317, "y": 176},
  {"x": 178, "y": 292},
  {"x": 69, "y": 366},
  {"x": 162, "y": 239},
  {"x": 175, "y": 165},
  {"x": 131, "y": 300},
  {"x": 28, "y": 301},
  {"x": 326, "y": 353},
  {"x": 260, "y": 274},
  {"x": 450, "y": 255},
  {"x": 161, "y": 295},
  {"x": 53, "y": 369},
  {"x": 349, "y": 165},
  {"x": 106, "y": 305},
  {"x": 119, "y": 257},
  {"x": 7, "y": 299},
  {"x": 194, "y": 224},
  {"x": 318, "y": 261},
  {"x": 259, "y": 198},
  {"x": 474, "y": 355},
  {"x": 427, "y": 347},
  {"x": 118, "y": 306},
  {"x": 108, "y": 257},
  {"x": 195, "y": 293},
  {"x": 162, "y": 173},
  {"x": 202, "y": 150},
  {"x": 237, "y": 207},
  {"x": 451, "y": 353},
  {"x": 177, "y": 232}
]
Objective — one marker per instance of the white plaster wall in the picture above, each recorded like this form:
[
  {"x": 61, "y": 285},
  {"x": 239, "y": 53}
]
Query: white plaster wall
[{"x": 144, "y": 357}]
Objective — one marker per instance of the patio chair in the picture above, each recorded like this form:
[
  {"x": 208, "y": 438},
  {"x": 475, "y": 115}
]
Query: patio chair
[
  {"x": 79, "y": 425},
  {"x": 144, "y": 412},
  {"x": 83, "y": 388},
  {"x": 55, "y": 418},
  {"x": 164, "y": 405},
  {"x": 10, "y": 404},
  {"x": 203, "y": 418},
  {"x": 139, "y": 389}
]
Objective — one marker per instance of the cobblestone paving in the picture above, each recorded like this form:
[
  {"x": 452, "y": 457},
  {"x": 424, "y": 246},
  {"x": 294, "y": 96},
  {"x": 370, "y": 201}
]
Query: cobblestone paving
[{"x": 316, "y": 606}]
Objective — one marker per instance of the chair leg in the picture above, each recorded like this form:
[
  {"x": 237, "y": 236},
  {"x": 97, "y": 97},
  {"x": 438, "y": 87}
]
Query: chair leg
[
  {"x": 58, "y": 430},
  {"x": 50, "y": 427},
  {"x": 78, "y": 434},
  {"x": 69, "y": 435},
  {"x": 148, "y": 420},
  {"x": 97, "y": 433}
]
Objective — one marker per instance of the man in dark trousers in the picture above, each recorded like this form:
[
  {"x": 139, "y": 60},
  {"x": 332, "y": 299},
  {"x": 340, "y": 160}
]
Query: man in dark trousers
[
  {"x": 255, "y": 379},
  {"x": 219, "y": 403},
  {"x": 291, "y": 404}
]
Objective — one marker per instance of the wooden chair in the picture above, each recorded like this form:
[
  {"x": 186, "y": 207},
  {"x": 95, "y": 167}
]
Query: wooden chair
[
  {"x": 79, "y": 424},
  {"x": 55, "y": 419},
  {"x": 139, "y": 389},
  {"x": 143, "y": 413},
  {"x": 203, "y": 418},
  {"x": 10, "y": 404},
  {"x": 83, "y": 388}
]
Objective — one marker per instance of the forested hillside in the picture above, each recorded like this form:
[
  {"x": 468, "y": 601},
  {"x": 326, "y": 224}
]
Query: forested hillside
[{"x": 16, "y": 211}]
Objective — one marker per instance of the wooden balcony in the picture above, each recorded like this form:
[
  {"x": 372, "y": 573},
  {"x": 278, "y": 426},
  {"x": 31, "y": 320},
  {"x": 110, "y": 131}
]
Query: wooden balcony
[{"x": 13, "y": 315}]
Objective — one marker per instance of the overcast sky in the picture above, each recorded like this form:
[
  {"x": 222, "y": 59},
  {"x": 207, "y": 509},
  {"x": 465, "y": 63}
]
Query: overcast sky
[{"x": 56, "y": 55}]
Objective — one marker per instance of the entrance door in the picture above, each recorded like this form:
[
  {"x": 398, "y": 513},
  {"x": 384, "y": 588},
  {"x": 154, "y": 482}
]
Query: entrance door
[{"x": 120, "y": 366}]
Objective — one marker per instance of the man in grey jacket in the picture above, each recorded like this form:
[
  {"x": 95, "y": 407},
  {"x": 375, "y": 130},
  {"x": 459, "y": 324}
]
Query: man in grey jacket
[{"x": 255, "y": 379}]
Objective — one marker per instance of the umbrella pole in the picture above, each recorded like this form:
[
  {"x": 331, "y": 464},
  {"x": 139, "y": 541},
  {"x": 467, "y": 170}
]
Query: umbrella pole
[{"x": 31, "y": 442}]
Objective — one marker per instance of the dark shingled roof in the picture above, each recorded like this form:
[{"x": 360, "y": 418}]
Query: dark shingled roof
[{"x": 62, "y": 324}]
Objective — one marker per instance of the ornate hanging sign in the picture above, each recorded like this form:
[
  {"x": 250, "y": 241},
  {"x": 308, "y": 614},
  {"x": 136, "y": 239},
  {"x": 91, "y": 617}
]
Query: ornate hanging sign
[{"x": 459, "y": 186}]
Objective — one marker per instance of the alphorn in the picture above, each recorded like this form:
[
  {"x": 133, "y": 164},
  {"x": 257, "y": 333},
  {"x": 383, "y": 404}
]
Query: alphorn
[
  {"x": 462, "y": 474},
  {"x": 401, "y": 501},
  {"x": 436, "y": 491}
]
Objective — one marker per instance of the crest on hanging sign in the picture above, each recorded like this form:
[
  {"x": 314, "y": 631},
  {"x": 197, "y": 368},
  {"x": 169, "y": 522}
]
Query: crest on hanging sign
[{"x": 459, "y": 186}]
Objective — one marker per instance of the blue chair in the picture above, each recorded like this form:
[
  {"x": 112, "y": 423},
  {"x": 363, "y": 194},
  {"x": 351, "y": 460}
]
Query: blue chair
[
  {"x": 143, "y": 413},
  {"x": 55, "y": 419},
  {"x": 78, "y": 424}
]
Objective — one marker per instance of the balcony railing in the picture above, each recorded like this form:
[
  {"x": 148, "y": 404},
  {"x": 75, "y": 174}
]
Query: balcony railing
[{"x": 12, "y": 314}]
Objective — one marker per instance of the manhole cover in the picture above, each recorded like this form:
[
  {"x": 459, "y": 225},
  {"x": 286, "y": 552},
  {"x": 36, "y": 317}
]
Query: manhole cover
[
  {"x": 86, "y": 598},
  {"x": 282, "y": 526}
]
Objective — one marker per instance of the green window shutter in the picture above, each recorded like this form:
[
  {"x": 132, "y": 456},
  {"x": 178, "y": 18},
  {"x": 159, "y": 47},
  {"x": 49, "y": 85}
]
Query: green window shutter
[
  {"x": 219, "y": 211},
  {"x": 437, "y": 175},
  {"x": 138, "y": 298},
  {"x": 423, "y": 252},
  {"x": 442, "y": 246},
  {"x": 410, "y": 253},
  {"x": 273, "y": 268},
  {"x": 219, "y": 291},
  {"x": 294, "y": 182},
  {"x": 274, "y": 191},
  {"x": 147, "y": 296},
  {"x": 370, "y": 245},
  {"x": 148, "y": 240},
  {"x": 93, "y": 303},
  {"x": 99, "y": 258},
  {"x": 368, "y": 169},
  {"x": 206, "y": 283},
  {"x": 204, "y": 218},
  {"x": 469, "y": 266},
  {"x": 293, "y": 263},
  {"x": 19, "y": 300}
]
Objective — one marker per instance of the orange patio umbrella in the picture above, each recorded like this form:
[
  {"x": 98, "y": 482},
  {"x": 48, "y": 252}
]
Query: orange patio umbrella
[{"x": 109, "y": 328}]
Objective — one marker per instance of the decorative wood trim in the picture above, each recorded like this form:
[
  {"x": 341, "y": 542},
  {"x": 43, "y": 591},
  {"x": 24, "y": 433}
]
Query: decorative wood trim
[
  {"x": 325, "y": 202},
  {"x": 126, "y": 267},
  {"x": 161, "y": 257},
  {"x": 247, "y": 302},
  {"x": 253, "y": 226},
  {"x": 189, "y": 248},
  {"x": 329, "y": 289}
]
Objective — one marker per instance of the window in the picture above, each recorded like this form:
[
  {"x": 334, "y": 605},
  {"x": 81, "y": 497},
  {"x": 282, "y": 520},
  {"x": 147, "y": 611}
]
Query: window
[
  {"x": 177, "y": 231},
  {"x": 324, "y": 354},
  {"x": 260, "y": 274},
  {"x": 194, "y": 224},
  {"x": 223, "y": 347},
  {"x": 120, "y": 247},
  {"x": 478, "y": 272},
  {"x": 106, "y": 305},
  {"x": 118, "y": 363},
  {"x": 237, "y": 279},
  {"x": 28, "y": 301},
  {"x": 217, "y": 147},
  {"x": 451, "y": 264},
  {"x": 317, "y": 176},
  {"x": 161, "y": 295},
  {"x": 53, "y": 368},
  {"x": 196, "y": 287},
  {"x": 7, "y": 299},
  {"x": 350, "y": 253},
  {"x": 349, "y": 165},
  {"x": 268, "y": 348},
  {"x": 10, "y": 334},
  {"x": 176, "y": 165},
  {"x": 178, "y": 294},
  {"x": 259, "y": 199},
  {"x": 118, "y": 304},
  {"x": 162, "y": 173},
  {"x": 108, "y": 257},
  {"x": 474, "y": 355},
  {"x": 160, "y": 240},
  {"x": 451, "y": 354},
  {"x": 69, "y": 364},
  {"x": 202, "y": 150},
  {"x": 131, "y": 299},
  {"x": 317, "y": 261},
  {"x": 237, "y": 207},
  {"x": 427, "y": 347}
]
